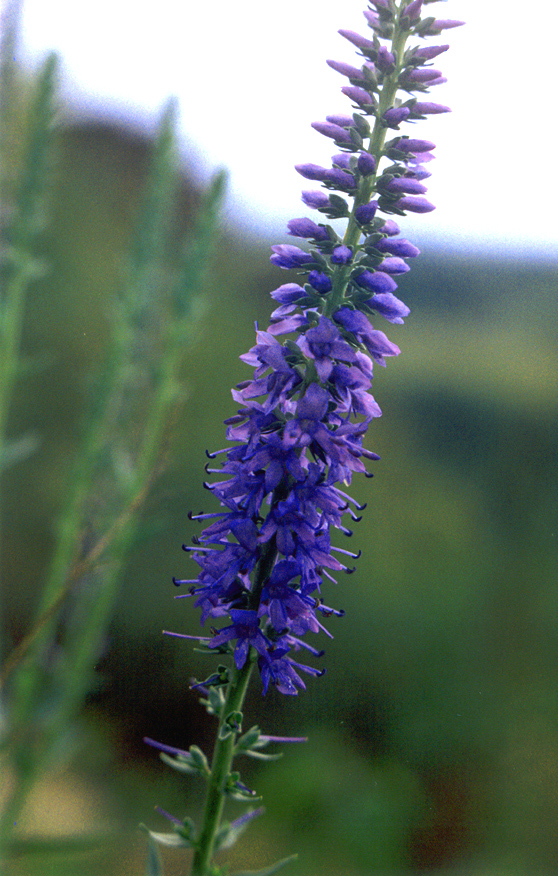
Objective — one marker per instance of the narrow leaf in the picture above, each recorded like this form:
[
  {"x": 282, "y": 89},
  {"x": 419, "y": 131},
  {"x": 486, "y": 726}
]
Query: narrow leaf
[
  {"x": 172, "y": 840},
  {"x": 154, "y": 865},
  {"x": 268, "y": 871}
]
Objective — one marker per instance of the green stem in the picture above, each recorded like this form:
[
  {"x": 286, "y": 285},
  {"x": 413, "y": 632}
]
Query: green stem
[
  {"x": 220, "y": 769},
  {"x": 224, "y": 748}
]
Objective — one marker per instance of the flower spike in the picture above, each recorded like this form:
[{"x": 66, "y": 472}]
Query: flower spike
[{"x": 299, "y": 433}]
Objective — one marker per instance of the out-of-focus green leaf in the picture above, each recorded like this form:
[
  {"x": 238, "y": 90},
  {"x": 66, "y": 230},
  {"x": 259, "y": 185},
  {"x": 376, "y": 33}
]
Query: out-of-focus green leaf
[{"x": 268, "y": 871}]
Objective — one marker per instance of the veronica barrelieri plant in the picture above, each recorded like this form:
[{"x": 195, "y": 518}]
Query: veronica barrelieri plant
[{"x": 265, "y": 559}]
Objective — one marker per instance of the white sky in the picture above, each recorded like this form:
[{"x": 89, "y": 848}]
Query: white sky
[{"x": 250, "y": 76}]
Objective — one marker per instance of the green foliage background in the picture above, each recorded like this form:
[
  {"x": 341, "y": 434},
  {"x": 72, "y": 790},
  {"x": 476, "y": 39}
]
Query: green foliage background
[{"x": 433, "y": 737}]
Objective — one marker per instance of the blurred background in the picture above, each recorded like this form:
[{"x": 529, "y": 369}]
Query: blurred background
[{"x": 433, "y": 737}]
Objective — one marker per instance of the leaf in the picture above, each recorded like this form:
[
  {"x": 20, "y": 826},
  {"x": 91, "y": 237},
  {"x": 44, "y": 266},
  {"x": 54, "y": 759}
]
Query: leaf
[
  {"x": 228, "y": 834},
  {"x": 268, "y": 871},
  {"x": 180, "y": 764},
  {"x": 154, "y": 865},
  {"x": 261, "y": 755},
  {"x": 199, "y": 760},
  {"x": 172, "y": 840}
]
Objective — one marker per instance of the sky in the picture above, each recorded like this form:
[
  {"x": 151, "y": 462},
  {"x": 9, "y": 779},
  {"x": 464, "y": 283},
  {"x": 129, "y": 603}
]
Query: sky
[{"x": 250, "y": 76}]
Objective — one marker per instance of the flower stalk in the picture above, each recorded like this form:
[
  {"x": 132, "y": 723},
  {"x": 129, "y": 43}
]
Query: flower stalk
[
  {"x": 298, "y": 436},
  {"x": 221, "y": 766}
]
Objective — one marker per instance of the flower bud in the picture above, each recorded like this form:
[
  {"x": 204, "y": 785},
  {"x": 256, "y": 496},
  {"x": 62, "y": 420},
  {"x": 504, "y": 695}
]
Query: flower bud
[
  {"x": 340, "y": 179},
  {"x": 412, "y": 11},
  {"x": 415, "y": 204},
  {"x": 372, "y": 19},
  {"x": 390, "y": 307},
  {"x": 366, "y": 163},
  {"x": 408, "y": 144},
  {"x": 306, "y": 228},
  {"x": 319, "y": 281},
  {"x": 341, "y": 255},
  {"x": 358, "y": 95},
  {"x": 342, "y": 121},
  {"x": 425, "y": 108},
  {"x": 288, "y": 293},
  {"x": 401, "y": 247},
  {"x": 385, "y": 61},
  {"x": 311, "y": 171},
  {"x": 394, "y": 265},
  {"x": 426, "y": 53},
  {"x": 315, "y": 199},
  {"x": 390, "y": 227},
  {"x": 286, "y": 256},
  {"x": 366, "y": 212},
  {"x": 439, "y": 25},
  {"x": 356, "y": 39},
  {"x": 376, "y": 281},
  {"x": 395, "y": 115},
  {"x": 342, "y": 160},
  {"x": 406, "y": 184},
  {"x": 421, "y": 74},
  {"x": 346, "y": 70},
  {"x": 334, "y": 131}
]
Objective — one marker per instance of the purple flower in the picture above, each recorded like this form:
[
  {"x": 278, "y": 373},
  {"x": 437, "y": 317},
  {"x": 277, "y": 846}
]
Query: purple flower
[
  {"x": 323, "y": 344},
  {"x": 311, "y": 171},
  {"x": 376, "y": 281},
  {"x": 319, "y": 281},
  {"x": 394, "y": 116},
  {"x": 421, "y": 74},
  {"x": 352, "y": 73},
  {"x": 405, "y": 184},
  {"x": 365, "y": 213},
  {"x": 288, "y": 293},
  {"x": 246, "y": 630},
  {"x": 390, "y": 227},
  {"x": 341, "y": 121},
  {"x": 342, "y": 160},
  {"x": 284, "y": 604},
  {"x": 340, "y": 179},
  {"x": 307, "y": 228},
  {"x": 315, "y": 199},
  {"x": 415, "y": 204},
  {"x": 302, "y": 416},
  {"x": 341, "y": 255},
  {"x": 439, "y": 25},
  {"x": 412, "y": 11},
  {"x": 281, "y": 670},
  {"x": 358, "y": 95},
  {"x": 334, "y": 131},
  {"x": 390, "y": 307},
  {"x": 286, "y": 256},
  {"x": 356, "y": 39},
  {"x": 394, "y": 265},
  {"x": 375, "y": 342},
  {"x": 426, "y": 53},
  {"x": 407, "y": 144},
  {"x": 424, "y": 108},
  {"x": 366, "y": 163},
  {"x": 400, "y": 247},
  {"x": 372, "y": 19},
  {"x": 385, "y": 61}
]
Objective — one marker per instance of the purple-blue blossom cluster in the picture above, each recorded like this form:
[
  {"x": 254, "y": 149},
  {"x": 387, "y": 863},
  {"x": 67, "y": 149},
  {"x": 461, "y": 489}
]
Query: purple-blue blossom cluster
[{"x": 298, "y": 435}]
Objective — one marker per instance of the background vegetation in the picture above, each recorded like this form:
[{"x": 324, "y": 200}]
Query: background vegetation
[{"x": 433, "y": 737}]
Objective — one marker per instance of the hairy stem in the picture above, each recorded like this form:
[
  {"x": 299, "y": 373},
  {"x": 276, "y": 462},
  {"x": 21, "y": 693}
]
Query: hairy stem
[{"x": 220, "y": 769}]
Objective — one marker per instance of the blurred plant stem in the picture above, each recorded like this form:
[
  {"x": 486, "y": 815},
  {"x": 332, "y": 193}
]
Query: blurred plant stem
[
  {"x": 124, "y": 447},
  {"x": 22, "y": 209}
]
